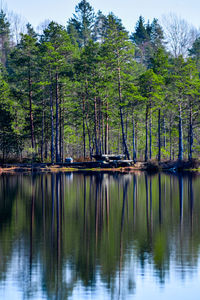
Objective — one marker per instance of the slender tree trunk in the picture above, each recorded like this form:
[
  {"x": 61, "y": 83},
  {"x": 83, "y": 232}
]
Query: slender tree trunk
[
  {"x": 126, "y": 125},
  {"x": 61, "y": 119},
  {"x": 170, "y": 138},
  {"x": 119, "y": 141},
  {"x": 134, "y": 152},
  {"x": 136, "y": 137},
  {"x": 123, "y": 135},
  {"x": 45, "y": 135},
  {"x": 102, "y": 132},
  {"x": 106, "y": 128},
  {"x": 89, "y": 138},
  {"x": 190, "y": 134},
  {"x": 45, "y": 138},
  {"x": 150, "y": 131},
  {"x": 146, "y": 124},
  {"x": 52, "y": 122},
  {"x": 95, "y": 126},
  {"x": 63, "y": 131},
  {"x": 57, "y": 121},
  {"x": 3, "y": 150},
  {"x": 180, "y": 155},
  {"x": 164, "y": 133},
  {"x": 121, "y": 113},
  {"x": 42, "y": 140},
  {"x": 86, "y": 117},
  {"x": 84, "y": 147},
  {"x": 99, "y": 126},
  {"x": 30, "y": 109},
  {"x": 89, "y": 134},
  {"x": 159, "y": 137}
]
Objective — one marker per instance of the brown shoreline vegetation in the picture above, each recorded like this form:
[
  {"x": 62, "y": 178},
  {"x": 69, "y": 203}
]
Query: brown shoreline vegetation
[{"x": 150, "y": 166}]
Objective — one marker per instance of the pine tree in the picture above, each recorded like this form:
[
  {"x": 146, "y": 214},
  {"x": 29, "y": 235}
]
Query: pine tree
[
  {"x": 4, "y": 38},
  {"x": 8, "y": 137},
  {"x": 81, "y": 25},
  {"x": 194, "y": 52},
  {"x": 57, "y": 52},
  {"x": 23, "y": 66},
  {"x": 151, "y": 89},
  {"x": 118, "y": 53}
]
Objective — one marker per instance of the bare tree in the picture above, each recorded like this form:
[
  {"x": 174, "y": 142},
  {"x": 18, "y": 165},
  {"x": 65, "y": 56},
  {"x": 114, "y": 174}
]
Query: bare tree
[
  {"x": 17, "y": 25},
  {"x": 179, "y": 34},
  {"x": 43, "y": 25}
]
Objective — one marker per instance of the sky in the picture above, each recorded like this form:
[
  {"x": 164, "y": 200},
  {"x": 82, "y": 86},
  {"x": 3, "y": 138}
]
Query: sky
[{"x": 36, "y": 11}]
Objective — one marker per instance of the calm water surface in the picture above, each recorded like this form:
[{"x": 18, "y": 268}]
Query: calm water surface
[{"x": 99, "y": 236}]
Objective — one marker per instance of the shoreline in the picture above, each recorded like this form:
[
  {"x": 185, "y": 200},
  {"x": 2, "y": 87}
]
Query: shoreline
[{"x": 151, "y": 167}]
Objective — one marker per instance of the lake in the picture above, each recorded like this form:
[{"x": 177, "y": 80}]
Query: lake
[{"x": 99, "y": 236}]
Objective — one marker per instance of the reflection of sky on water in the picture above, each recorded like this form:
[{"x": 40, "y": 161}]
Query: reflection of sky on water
[
  {"x": 136, "y": 272},
  {"x": 133, "y": 282}
]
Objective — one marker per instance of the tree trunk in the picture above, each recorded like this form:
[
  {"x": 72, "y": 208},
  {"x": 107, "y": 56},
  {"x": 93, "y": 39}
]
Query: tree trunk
[
  {"x": 136, "y": 137},
  {"x": 89, "y": 134},
  {"x": 3, "y": 142},
  {"x": 83, "y": 108},
  {"x": 60, "y": 129},
  {"x": 126, "y": 125},
  {"x": 164, "y": 133},
  {"x": 190, "y": 134},
  {"x": 57, "y": 121},
  {"x": 99, "y": 126},
  {"x": 134, "y": 152},
  {"x": 159, "y": 138},
  {"x": 30, "y": 109},
  {"x": 52, "y": 122},
  {"x": 150, "y": 131},
  {"x": 95, "y": 126},
  {"x": 121, "y": 114},
  {"x": 102, "y": 132},
  {"x": 63, "y": 132},
  {"x": 45, "y": 139},
  {"x": 180, "y": 155},
  {"x": 106, "y": 128},
  {"x": 42, "y": 140},
  {"x": 170, "y": 138},
  {"x": 146, "y": 124}
]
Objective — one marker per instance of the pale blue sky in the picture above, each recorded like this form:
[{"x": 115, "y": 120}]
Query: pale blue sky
[{"x": 36, "y": 11}]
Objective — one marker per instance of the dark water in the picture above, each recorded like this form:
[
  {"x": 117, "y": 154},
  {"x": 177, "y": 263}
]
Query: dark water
[{"x": 99, "y": 236}]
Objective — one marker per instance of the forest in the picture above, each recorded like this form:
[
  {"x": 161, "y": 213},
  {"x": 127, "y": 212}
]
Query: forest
[{"x": 91, "y": 87}]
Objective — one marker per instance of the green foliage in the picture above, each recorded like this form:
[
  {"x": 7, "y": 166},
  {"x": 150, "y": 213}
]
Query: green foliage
[
  {"x": 89, "y": 86},
  {"x": 148, "y": 38},
  {"x": 8, "y": 135},
  {"x": 4, "y": 38},
  {"x": 81, "y": 25}
]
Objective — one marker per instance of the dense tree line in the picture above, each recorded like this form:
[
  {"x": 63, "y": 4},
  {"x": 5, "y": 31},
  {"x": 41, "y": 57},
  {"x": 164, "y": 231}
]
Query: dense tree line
[{"x": 92, "y": 88}]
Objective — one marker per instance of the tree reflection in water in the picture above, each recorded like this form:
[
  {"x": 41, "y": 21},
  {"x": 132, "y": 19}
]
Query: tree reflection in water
[{"x": 66, "y": 231}]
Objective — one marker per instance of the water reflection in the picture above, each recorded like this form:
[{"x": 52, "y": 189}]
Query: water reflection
[{"x": 73, "y": 235}]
